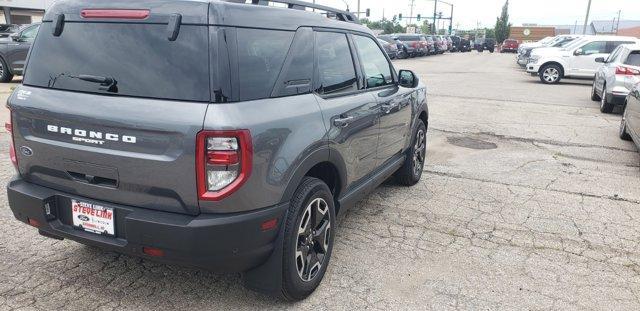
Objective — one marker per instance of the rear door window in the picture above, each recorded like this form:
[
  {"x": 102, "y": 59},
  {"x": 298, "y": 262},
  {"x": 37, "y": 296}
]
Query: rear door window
[
  {"x": 377, "y": 69},
  {"x": 633, "y": 59},
  {"x": 335, "y": 65},
  {"x": 261, "y": 54},
  {"x": 139, "y": 57},
  {"x": 597, "y": 47},
  {"x": 615, "y": 44}
]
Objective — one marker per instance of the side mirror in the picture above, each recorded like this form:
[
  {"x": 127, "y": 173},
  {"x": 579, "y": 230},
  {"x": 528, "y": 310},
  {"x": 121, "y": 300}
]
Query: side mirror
[
  {"x": 578, "y": 52},
  {"x": 15, "y": 37},
  {"x": 600, "y": 60},
  {"x": 408, "y": 79}
]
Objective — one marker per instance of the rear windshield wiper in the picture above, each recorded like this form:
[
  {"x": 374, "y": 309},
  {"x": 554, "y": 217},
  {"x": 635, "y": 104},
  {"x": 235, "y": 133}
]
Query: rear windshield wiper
[{"x": 108, "y": 84}]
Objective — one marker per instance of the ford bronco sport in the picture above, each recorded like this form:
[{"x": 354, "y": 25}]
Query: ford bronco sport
[{"x": 215, "y": 134}]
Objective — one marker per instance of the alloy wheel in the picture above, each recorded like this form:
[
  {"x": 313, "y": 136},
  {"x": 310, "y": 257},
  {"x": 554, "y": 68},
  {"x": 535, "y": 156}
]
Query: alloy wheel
[
  {"x": 313, "y": 239},
  {"x": 551, "y": 74},
  {"x": 419, "y": 152}
]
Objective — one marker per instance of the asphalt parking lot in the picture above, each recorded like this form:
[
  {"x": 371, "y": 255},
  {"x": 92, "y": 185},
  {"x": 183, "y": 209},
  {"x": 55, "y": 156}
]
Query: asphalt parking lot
[{"x": 529, "y": 201}]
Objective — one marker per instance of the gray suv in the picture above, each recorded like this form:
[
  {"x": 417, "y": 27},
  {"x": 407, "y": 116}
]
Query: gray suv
[
  {"x": 14, "y": 50},
  {"x": 214, "y": 134}
]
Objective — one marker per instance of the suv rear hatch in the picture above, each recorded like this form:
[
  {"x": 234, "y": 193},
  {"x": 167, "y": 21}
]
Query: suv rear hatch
[{"x": 112, "y": 102}]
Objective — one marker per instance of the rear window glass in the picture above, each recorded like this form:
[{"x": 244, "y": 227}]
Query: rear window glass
[
  {"x": 139, "y": 57},
  {"x": 261, "y": 54},
  {"x": 633, "y": 59}
]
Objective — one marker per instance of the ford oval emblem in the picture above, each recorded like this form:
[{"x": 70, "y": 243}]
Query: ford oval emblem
[
  {"x": 26, "y": 151},
  {"x": 83, "y": 217}
]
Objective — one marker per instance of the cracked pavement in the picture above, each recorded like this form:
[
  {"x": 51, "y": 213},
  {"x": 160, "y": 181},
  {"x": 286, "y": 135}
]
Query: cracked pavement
[{"x": 529, "y": 201}]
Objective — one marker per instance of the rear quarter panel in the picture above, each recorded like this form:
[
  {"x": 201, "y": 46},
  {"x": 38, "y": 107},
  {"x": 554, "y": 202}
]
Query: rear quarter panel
[{"x": 284, "y": 131}]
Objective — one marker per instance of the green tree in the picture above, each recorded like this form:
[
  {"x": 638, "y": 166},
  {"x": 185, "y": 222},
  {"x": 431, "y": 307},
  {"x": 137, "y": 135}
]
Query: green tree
[
  {"x": 426, "y": 27},
  {"x": 503, "y": 27},
  {"x": 392, "y": 26},
  {"x": 491, "y": 33}
]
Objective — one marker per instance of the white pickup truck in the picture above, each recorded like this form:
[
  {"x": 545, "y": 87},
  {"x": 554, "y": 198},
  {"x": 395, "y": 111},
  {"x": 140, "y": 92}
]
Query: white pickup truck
[{"x": 576, "y": 60}]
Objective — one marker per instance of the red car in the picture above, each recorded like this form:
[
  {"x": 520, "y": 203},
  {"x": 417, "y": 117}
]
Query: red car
[{"x": 510, "y": 45}]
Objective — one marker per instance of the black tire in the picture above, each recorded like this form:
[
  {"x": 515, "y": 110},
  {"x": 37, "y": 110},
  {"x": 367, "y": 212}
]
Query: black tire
[
  {"x": 605, "y": 105},
  {"x": 594, "y": 95},
  {"x": 311, "y": 197},
  {"x": 5, "y": 74},
  {"x": 551, "y": 74},
  {"x": 624, "y": 133},
  {"x": 411, "y": 171}
]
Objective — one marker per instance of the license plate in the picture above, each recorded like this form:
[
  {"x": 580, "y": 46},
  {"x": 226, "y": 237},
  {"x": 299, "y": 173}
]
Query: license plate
[{"x": 93, "y": 218}]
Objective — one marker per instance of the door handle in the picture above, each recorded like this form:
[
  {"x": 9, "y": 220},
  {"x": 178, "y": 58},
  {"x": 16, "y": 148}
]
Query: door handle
[
  {"x": 386, "y": 108},
  {"x": 343, "y": 122}
]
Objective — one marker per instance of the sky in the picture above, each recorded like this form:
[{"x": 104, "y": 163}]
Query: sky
[{"x": 469, "y": 12}]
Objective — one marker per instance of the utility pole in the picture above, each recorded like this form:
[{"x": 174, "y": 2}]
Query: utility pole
[
  {"x": 451, "y": 21},
  {"x": 413, "y": 3},
  {"x": 358, "y": 9},
  {"x": 435, "y": 13},
  {"x": 586, "y": 19},
  {"x": 618, "y": 25}
]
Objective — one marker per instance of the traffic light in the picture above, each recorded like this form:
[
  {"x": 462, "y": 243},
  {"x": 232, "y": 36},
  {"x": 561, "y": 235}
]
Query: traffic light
[
  {"x": 400, "y": 16},
  {"x": 367, "y": 12},
  {"x": 419, "y": 17}
]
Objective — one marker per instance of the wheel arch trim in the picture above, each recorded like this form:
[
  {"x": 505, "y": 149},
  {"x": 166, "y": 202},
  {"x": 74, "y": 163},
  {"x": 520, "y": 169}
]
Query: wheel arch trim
[{"x": 322, "y": 155}]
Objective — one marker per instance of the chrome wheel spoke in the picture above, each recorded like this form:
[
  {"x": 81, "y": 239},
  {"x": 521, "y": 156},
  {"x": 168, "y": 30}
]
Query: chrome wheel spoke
[
  {"x": 321, "y": 236},
  {"x": 419, "y": 151},
  {"x": 312, "y": 266},
  {"x": 314, "y": 233}
]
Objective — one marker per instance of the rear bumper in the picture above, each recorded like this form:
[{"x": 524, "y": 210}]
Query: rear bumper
[{"x": 223, "y": 243}]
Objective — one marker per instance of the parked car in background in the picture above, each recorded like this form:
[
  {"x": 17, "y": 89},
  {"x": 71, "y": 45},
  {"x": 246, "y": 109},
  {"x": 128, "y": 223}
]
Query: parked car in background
[
  {"x": 13, "y": 52},
  {"x": 630, "y": 121},
  {"x": 464, "y": 45},
  {"x": 555, "y": 42},
  {"x": 541, "y": 42},
  {"x": 431, "y": 45},
  {"x": 438, "y": 44},
  {"x": 615, "y": 78},
  {"x": 485, "y": 44},
  {"x": 404, "y": 50},
  {"x": 455, "y": 46},
  {"x": 449, "y": 43},
  {"x": 390, "y": 48},
  {"x": 509, "y": 45},
  {"x": 424, "y": 44},
  {"x": 415, "y": 41},
  {"x": 576, "y": 60},
  {"x": 239, "y": 168},
  {"x": 442, "y": 44},
  {"x": 8, "y": 29}
]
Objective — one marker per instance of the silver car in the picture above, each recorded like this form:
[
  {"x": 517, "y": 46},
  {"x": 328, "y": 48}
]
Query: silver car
[{"x": 615, "y": 78}]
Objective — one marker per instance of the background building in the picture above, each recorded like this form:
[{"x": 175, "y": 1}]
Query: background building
[
  {"x": 22, "y": 11},
  {"x": 532, "y": 33}
]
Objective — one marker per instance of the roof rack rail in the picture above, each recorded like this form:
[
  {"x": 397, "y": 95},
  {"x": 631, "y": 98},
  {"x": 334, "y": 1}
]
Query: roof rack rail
[{"x": 330, "y": 12}]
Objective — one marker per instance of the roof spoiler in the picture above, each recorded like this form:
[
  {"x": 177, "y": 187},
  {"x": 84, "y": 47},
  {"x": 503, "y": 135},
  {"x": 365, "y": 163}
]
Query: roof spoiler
[{"x": 330, "y": 12}]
